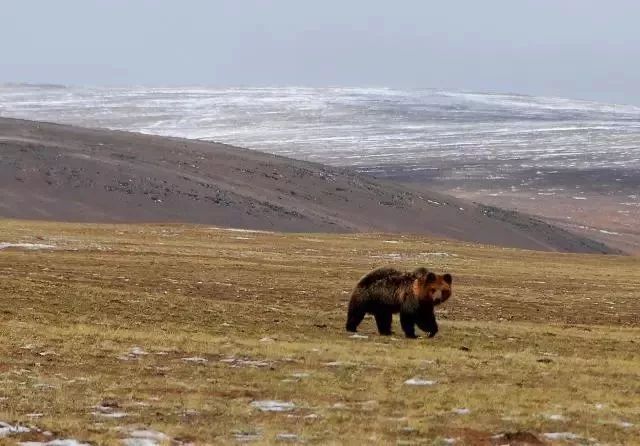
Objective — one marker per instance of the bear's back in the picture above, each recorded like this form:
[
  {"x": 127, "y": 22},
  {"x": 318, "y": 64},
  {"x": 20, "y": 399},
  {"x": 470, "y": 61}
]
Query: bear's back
[{"x": 377, "y": 275}]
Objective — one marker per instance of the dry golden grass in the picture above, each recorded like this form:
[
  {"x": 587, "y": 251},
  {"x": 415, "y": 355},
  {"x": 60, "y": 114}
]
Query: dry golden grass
[{"x": 526, "y": 336}]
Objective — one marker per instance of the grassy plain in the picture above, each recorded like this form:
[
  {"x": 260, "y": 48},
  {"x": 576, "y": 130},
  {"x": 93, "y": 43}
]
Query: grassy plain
[{"x": 179, "y": 329}]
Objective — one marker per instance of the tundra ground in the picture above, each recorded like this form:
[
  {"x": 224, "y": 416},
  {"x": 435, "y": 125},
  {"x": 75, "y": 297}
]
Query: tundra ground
[{"x": 176, "y": 334}]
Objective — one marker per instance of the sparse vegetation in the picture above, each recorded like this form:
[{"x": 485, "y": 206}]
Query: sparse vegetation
[{"x": 180, "y": 329}]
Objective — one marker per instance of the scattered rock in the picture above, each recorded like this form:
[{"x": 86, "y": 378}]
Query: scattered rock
[
  {"x": 545, "y": 360},
  {"x": 464, "y": 348}
]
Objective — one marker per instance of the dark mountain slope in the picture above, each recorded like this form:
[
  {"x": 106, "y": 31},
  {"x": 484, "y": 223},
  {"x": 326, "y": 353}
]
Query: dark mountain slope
[{"x": 58, "y": 172}]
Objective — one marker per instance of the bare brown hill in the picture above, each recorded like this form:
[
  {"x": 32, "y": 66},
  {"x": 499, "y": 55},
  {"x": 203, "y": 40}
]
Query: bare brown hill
[{"x": 58, "y": 172}]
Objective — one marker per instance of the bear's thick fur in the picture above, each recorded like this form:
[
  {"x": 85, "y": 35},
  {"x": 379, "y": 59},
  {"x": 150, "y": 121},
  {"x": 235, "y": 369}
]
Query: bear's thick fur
[{"x": 385, "y": 291}]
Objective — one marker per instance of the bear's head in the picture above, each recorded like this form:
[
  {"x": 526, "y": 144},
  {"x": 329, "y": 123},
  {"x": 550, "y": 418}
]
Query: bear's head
[{"x": 433, "y": 287}]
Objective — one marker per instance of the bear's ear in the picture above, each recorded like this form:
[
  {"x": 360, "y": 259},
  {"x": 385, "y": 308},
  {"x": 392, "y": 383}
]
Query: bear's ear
[
  {"x": 431, "y": 277},
  {"x": 447, "y": 278},
  {"x": 420, "y": 272}
]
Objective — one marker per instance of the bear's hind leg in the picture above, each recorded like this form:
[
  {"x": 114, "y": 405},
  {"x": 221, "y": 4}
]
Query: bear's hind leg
[
  {"x": 383, "y": 321},
  {"x": 407, "y": 323}
]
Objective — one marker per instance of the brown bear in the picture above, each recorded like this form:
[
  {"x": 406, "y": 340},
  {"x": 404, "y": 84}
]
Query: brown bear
[{"x": 414, "y": 295}]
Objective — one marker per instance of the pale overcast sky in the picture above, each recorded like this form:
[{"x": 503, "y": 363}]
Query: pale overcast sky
[{"x": 587, "y": 49}]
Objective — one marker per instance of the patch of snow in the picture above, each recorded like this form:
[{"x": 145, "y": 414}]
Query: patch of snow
[
  {"x": 338, "y": 364},
  {"x": 137, "y": 351},
  {"x": 255, "y": 231},
  {"x": 419, "y": 382},
  {"x": 390, "y": 241},
  {"x": 7, "y": 429},
  {"x": 109, "y": 414},
  {"x": 247, "y": 437},
  {"x": 369, "y": 405},
  {"x": 561, "y": 436},
  {"x": 148, "y": 433},
  {"x": 195, "y": 359},
  {"x": 579, "y": 198},
  {"x": 139, "y": 442},
  {"x": 239, "y": 362},
  {"x": 27, "y": 246},
  {"x": 300, "y": 375},
  {"x": 48, "y": 353},
  {"x": 462, "y": 411},
  {"x": 625, "y": 424},
  {"x": 68, "y": 442},
  {"x": 144, "y": 437},
  {"x": 286, "y": 437},
  {"x": 133, "y": 354},
  {"x": 273, "y": 406},
  {"x": 556, "y": 417},
  {"x": 267, "y": 339},
  {"x": 358, "y": 336},
  {"x": 449, "y": 440}
]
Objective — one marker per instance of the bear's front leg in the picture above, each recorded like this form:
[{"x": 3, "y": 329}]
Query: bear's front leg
[
  {"x": 428, "y": 324},
  {"x": 408, "y": 325}
]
